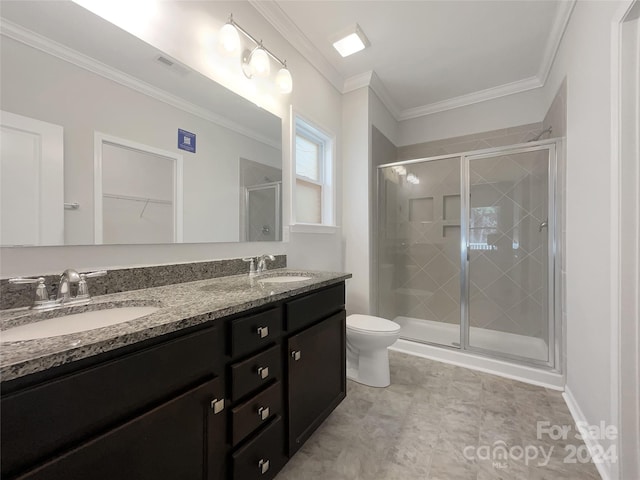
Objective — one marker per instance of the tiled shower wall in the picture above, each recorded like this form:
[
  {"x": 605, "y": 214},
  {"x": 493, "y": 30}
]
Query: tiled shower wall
[
  {"x": 508, "y": 267},
  {"x": 466, "y": 143},
  {"x": 420, "y": 243},
  {"x": 420, "y": 257}
]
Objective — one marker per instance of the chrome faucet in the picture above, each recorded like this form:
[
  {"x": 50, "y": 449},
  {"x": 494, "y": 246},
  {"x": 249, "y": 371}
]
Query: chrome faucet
[
  {"x": 63, "y": 297},
  {"x": 68, "y": 277},
  {"x": 262, "y": 262}
]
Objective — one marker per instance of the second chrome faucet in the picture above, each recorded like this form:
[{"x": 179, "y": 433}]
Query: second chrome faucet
[{"x": 262, "y": 264}]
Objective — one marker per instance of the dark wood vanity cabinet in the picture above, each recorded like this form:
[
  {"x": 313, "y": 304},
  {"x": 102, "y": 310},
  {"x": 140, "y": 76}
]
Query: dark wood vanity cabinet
[
  {"x": 148, "y": 414},
  {"x": 316, "y": 361},
  {"x": 182, "y": 438},
  {"x": 316, "y": 377},
  {"x": 232, "y": 399}
]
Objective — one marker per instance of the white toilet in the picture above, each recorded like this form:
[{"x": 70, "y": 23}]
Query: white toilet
[{"x": 367, "y": 357}]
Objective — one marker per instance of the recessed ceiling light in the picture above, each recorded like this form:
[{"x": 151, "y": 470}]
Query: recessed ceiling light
[{"x": 351, "y": 41}]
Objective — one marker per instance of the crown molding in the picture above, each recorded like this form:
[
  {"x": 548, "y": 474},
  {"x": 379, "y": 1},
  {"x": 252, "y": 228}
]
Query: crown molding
[
  {"x": 272, "y": 12},
  {"x": 287, "y": 28},
  {"x": 356, "y": 82},
  {"x": 471, "y": 98},
  {"x": 558, "y": 28},
  {"x": 46, "y": 45},
  {"x": 371, "y": 80},
  {"x": 383, "y": 94}
]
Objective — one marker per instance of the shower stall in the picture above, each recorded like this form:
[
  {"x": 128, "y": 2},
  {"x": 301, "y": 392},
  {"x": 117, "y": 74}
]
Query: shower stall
[{"x": 466, "y": 252}]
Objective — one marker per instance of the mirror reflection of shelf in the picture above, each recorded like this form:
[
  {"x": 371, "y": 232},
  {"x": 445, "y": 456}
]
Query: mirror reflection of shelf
[{"x": 134, "y": 198}]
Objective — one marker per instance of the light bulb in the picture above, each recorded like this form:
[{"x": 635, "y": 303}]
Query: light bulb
[
  {"x": 260, "y": 62},
  {"x": 229, "y": 39},
  {"x": 284, "y": 80}
]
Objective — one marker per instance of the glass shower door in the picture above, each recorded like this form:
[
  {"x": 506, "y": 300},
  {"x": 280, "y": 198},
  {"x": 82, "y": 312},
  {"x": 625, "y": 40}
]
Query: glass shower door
[
  {"x": 507, "y": 240},
  {"x": 419, "y": 249}
]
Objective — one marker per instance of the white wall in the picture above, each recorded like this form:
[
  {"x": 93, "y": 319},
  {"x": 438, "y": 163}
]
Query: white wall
[
  {"x": 187, "y": 31},
  {"x": 584, "y": 58},
  {"x": 356, "y": 194},
  {"x": 517, "y": 109},
  {"x": 630, "y": 246},
  {"x": 382, "y": 119}
]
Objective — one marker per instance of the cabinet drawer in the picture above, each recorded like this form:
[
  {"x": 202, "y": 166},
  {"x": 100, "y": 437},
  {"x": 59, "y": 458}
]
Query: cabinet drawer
[
  {"x": 53, "y": 416},
  {"x": 255, "y": 372},
  {"x": 177, "y": 440},
  {"x": 251, "y": 333},
  {"x": 250, "y": 462},
  {"x": 248, "y": 416},
  {"x": 313, "y": 307}
]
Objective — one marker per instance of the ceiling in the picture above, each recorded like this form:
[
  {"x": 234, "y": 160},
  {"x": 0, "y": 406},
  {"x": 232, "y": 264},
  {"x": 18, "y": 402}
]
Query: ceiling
[{"x": 428, "y": 56}]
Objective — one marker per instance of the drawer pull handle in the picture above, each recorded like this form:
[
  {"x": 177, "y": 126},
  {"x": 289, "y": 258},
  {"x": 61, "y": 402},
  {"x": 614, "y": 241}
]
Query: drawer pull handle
[
  {"x": 296, "y": 354},
  {"x": 217, "y": 405},
  {"x": 263, "y": 372},
  {"x": 263, "y": 332},
  {"x": 263, "y": 413},
  {"x": 263, "y": 465}
]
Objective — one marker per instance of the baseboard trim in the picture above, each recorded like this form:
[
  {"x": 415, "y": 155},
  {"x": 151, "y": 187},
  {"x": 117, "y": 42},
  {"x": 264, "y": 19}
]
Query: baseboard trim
[
  {"x": 534, "y": 376},
  {"x": 593, "y": 445}
]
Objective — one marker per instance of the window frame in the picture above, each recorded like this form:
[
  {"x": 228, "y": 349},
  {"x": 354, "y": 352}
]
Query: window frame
[{"x": 303, "y": 127}]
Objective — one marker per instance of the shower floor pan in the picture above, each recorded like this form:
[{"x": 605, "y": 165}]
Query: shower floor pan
[{"x": 448, "y": 334}]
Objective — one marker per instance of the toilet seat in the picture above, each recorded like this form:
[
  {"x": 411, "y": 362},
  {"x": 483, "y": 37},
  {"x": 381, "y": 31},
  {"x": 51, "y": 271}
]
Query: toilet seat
[{"x": 371, "y": 325}]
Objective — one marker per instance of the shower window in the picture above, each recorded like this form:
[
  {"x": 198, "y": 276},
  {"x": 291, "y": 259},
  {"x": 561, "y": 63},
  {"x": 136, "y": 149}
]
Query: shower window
[{"x": 483, "y": 226}]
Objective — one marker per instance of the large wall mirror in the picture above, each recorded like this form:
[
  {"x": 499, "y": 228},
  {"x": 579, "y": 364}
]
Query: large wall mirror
[{"x": 105, "y": 139}]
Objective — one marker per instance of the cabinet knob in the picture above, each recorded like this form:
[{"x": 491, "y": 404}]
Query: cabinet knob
[
  {"x": 296, "y": 354},
  {"x": 217, "y": 405},
  {"x": 263, "y": 331},
  {"x": 263, "y": 412},
  {"x": 263, "y": 466},
  {"x": 263, "y": 372}
]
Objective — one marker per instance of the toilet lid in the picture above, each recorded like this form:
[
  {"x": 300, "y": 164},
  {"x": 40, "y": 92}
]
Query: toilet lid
[{"x": 369, "y": 323}]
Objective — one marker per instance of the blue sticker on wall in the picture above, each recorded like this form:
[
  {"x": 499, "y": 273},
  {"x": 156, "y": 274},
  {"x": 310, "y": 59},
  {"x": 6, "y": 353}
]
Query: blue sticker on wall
[{"x": 186, "y": 141}]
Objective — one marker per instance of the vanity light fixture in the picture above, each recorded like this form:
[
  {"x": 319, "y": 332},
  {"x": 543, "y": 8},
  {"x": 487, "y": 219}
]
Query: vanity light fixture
[
  {"x": 413, "y": 179},
  {"x": 400, "y": 170},
  {"x": 255, "y": 61},
  {"x": 351, "y": 41}
]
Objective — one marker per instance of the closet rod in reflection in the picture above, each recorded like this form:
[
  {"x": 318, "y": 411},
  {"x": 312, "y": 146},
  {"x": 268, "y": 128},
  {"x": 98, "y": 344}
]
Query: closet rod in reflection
[{"x": 137, "y": 199}]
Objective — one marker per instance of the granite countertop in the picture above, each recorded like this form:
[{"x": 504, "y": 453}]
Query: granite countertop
[{"x": 180, "y": 305}]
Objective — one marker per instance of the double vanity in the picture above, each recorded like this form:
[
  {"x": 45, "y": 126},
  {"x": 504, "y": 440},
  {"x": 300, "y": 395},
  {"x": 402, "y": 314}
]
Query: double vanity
[{"x": 223, "y": 378}]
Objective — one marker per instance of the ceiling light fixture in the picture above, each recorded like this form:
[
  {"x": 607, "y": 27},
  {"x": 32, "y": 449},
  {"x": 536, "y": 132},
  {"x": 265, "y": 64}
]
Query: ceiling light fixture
[
  {"x": 255, "y": 61},
  {"x": 351, "y": 41}
]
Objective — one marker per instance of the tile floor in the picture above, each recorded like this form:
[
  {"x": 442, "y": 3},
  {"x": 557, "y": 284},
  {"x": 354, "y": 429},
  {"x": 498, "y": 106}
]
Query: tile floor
[{"x": 418, "y": 428}]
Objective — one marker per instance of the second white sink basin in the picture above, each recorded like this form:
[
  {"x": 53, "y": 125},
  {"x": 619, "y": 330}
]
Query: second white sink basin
[
  {"x": 284, "y": 279},
  {"x": 78, "y": 322}
]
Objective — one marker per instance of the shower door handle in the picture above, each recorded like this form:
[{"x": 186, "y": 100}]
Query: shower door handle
[{"x": 542, "y": 225}]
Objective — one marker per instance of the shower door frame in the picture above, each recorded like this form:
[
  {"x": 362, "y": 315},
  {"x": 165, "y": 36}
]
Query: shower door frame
[
  {"x": 553, "y": 261},
  {"x": 277, "y": 187},
  {"x": 552, "y": 282}
]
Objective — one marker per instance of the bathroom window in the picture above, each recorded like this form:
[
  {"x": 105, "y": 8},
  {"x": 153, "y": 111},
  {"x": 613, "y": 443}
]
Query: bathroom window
[{"x": 313, "y": 161}]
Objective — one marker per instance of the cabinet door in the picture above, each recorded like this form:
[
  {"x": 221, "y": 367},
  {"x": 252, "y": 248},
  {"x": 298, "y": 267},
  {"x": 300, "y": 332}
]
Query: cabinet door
[
  {"x": 55, "y": 416},
  {"x": 316, "y": 376},
  {"x": 180, "y": 439}
]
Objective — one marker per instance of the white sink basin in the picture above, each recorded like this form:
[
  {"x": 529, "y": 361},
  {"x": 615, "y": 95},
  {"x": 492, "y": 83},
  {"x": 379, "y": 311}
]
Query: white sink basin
[
  {"x": 79, "y": 322},
  {"x": 284, "y": 279}
]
